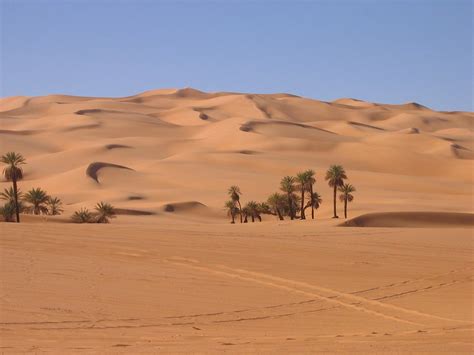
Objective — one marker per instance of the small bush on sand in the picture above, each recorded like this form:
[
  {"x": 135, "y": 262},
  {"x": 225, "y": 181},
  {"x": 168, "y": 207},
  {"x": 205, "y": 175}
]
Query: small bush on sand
[
  {"x": 82, "y": 216},
  {"x": 7, "y": 212},
  {"x": 105, "y": 211}
]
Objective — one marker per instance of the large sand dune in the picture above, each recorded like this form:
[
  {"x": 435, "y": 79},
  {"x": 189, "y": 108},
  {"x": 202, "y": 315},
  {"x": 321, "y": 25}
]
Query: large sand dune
[
  {"x": 171, "y": 275},
  {"x": 188, "y": 145}
]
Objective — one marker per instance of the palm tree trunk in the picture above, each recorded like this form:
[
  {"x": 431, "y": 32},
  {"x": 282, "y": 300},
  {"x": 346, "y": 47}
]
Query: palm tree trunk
[
  {"x": 312, "y": 202},
  {"x": 279, "y": 214},
  {"x": 345, "y": 207},
  {"x": 17, "y": 207},
  {"x": 290, "y": 206},
  {"x": 240, "y": 209},
  {"x": 302, "y": 203},
  {"x": 233, "y": 218},
  {"x": 335, "y": 193}
]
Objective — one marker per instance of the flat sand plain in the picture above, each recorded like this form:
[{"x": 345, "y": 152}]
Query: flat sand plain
[{"x": 267, "y": 287}]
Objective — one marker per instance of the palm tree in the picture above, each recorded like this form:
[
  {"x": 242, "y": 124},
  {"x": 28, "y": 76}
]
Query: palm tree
[
  {"x": 252, "y": 208},
  {"x": 277, "y": 203},
  {"x": 311, "y": 181},
  {"x": 7, "y": 211},
  {"x": 55, "y": 206},
  {"x": 9, "y": 196},
  {"x": 314, "y": 202},
  {"x": 105, "y": 211},
  {"x": 346, "y": 195},
  {"x": 38, "y": 199},
  {"x": 305, "y": 180},
  {"x": 232, "y": 210},
  {"x": 262, "y": 208},
  {"x": 335, "y": 177},
  {"x": 82, "y": 216},
  {"x": 13, "y": 172},
  {"x": 246, "y": 212},
  {"x": 234, "y": 193},
  {"x": 287, "y": 185}
]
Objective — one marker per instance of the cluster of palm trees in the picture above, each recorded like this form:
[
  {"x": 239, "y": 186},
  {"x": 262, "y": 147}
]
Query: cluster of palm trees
[
  {"x": 103, "y": 212},
  {"x": 37, "y": 201},
  {"x": 296, "y": 197}
]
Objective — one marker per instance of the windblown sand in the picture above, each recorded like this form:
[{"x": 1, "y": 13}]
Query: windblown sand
[{"x": 171, "y": 275}]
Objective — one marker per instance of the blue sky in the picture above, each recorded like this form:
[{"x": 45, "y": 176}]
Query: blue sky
[{"x": 382, "y": 51}]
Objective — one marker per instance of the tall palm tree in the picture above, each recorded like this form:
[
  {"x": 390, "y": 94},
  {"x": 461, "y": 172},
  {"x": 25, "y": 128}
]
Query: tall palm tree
[
  {"x": 277, "y": 204},
  {"x": 305, "y": 180},
  {"x": 287, "y": 185},
  {"x": 346, "y": 195},
  {"x": 335, "y": 177},
  {"x": 232, "y": 210},
  {"x": 38, "y": 199},
  {"x": 105, "y": 211},
  {"x": 55, "y": 206},
  {"x": 234, "y": 193},
  {"x": 314, "y": 202},
  {"x": 311, "y": 181},
  {"x": 13, "y": 172}
]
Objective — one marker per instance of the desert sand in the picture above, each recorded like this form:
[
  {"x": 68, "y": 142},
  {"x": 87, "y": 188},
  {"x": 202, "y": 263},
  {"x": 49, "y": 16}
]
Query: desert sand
[{"x": 171, "y": 274}]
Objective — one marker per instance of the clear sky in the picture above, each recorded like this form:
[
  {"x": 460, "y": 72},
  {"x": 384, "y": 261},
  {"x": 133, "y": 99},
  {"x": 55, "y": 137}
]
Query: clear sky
[{"x": 377, "y": 50}]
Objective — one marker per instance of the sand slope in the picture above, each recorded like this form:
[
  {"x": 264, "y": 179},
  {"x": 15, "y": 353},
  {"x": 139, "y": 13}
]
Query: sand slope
[{"x": 187, "y": 145}]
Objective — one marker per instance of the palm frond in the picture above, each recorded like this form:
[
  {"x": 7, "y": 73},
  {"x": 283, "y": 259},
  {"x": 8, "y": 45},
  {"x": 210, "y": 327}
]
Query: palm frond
[
  {"x": 38, "y": 199},
  {"x": 105, "y": 211},
  {"x": 335, "y": 175},
  {"x": 82, "y": 216},
  {"x": 13, "y": 170}
]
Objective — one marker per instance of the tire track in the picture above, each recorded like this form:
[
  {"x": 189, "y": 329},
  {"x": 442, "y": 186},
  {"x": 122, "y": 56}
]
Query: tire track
[
  {"x": 409, "y": 281},
  {"x": 360, "y": 300},
  {"x": 286, "y": 285}
]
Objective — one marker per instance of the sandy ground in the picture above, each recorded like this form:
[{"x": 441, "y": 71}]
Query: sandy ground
[
  {"x": 269, "y": 287},
  {"x": 187, "y": 280}
]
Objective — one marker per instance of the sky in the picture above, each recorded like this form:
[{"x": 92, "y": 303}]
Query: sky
[{"x": 377, "y": 50}]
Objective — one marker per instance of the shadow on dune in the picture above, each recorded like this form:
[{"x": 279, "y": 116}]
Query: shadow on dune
[
  {"x": 93, "y": 169},
  {"x": 250, "y": 126},
  {"x": 132, "y": 212},
  {"x": 184, "y": 206}
]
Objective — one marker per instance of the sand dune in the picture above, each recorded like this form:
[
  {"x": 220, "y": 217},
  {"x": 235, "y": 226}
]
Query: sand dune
[
  {"x": 413, "y": 219},
  {"x": 177, "y": 132}
]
